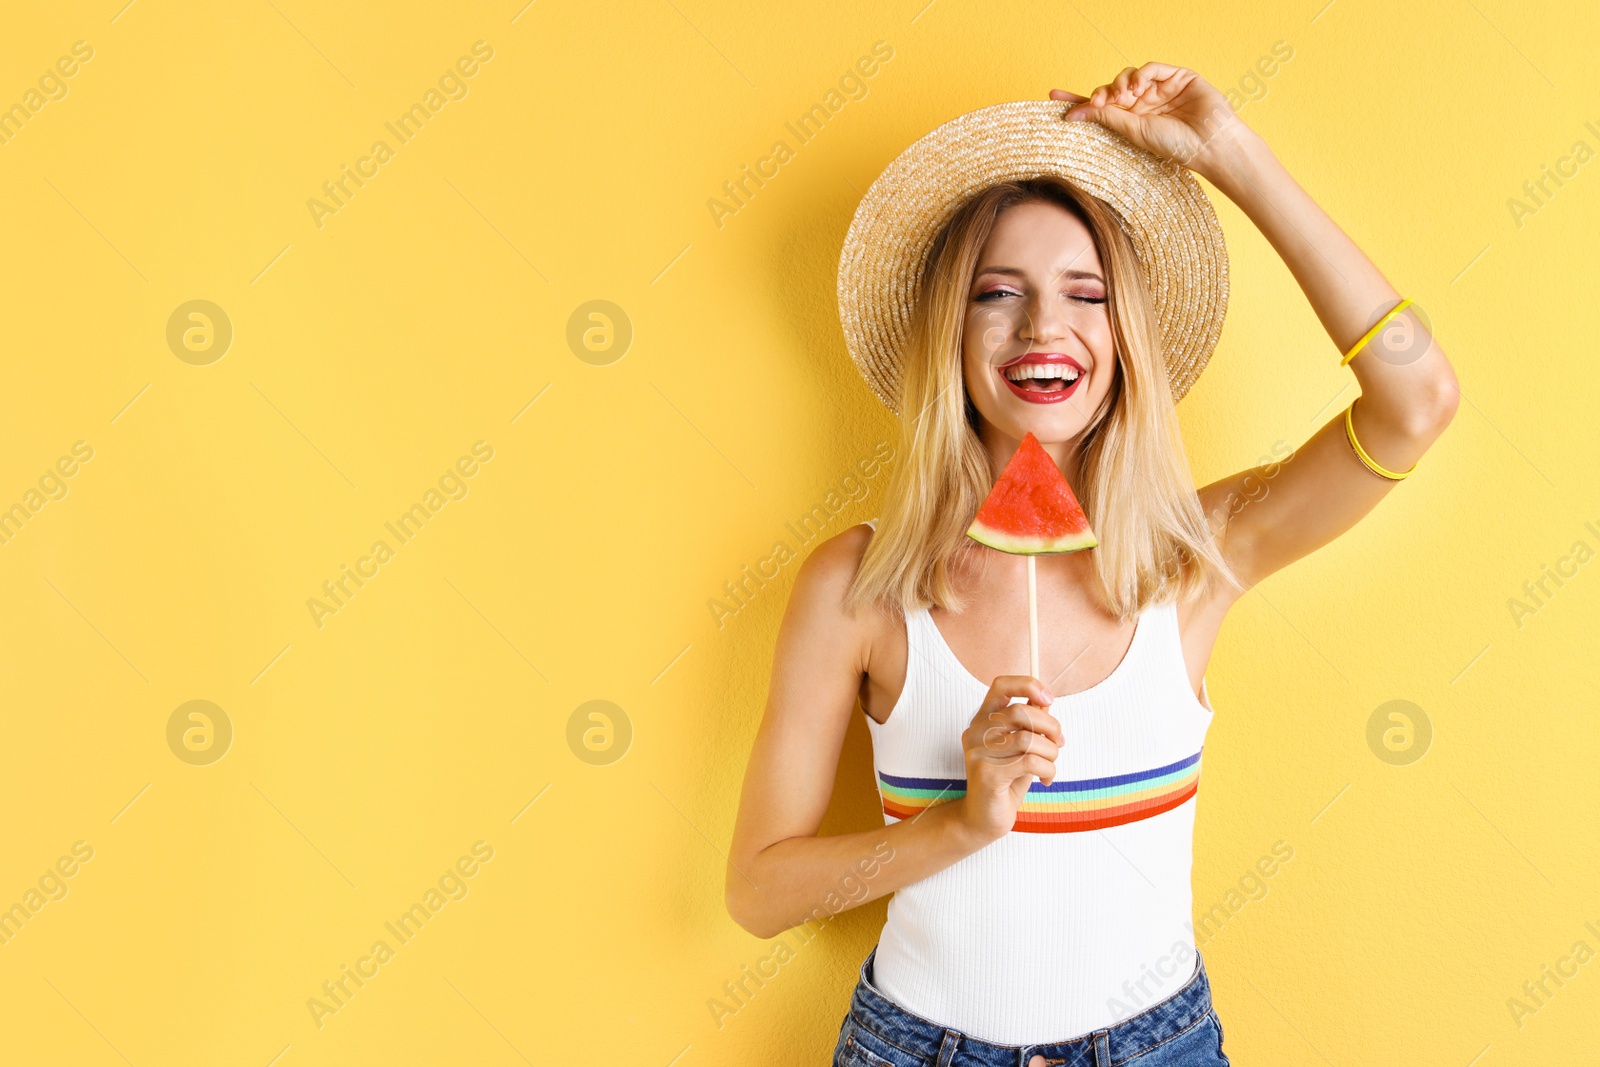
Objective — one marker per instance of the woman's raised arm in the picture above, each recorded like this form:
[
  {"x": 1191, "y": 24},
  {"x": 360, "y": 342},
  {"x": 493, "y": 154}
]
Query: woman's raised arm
[{"x": 1408, "y": 392}]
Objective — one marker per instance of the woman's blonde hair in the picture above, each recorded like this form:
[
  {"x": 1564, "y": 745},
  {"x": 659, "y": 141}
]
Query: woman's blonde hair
[{"x": 1132, "y": 478}]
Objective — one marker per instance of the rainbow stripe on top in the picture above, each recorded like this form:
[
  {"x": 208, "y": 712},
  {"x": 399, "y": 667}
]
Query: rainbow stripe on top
[{"x": 1062, "y": 807}]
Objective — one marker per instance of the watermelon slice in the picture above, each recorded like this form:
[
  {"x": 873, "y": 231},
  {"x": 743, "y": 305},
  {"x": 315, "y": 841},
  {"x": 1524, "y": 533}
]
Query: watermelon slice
[{"x": 1031, "y": 510}]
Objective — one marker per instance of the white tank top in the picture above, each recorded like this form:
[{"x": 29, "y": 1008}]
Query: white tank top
[{"x": 1080, "y": 916}]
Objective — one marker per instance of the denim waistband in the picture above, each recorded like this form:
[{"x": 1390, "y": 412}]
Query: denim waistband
[{"x": 940, "y": 1045}]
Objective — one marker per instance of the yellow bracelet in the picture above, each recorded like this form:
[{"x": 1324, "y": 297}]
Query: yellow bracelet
[
  {"x": 1370, "y": 334},
  {"x": 1361, "y": 453}
]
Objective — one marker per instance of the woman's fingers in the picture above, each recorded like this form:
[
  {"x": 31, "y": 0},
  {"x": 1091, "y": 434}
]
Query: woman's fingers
[
  {"x": 1126, "y": 89},
  {"x": 1030, "y": 767},
  {"x": 1008, "y": 686},
  {"x": 1019, "y": 717},
  {"x": 1040, "y": 768},
  {"x": 1008, "y": 745},
  {"x": 1155, "y": 72},
  {"x": 1118, "y": 92},
  {"x": 1007, "y": 741}
]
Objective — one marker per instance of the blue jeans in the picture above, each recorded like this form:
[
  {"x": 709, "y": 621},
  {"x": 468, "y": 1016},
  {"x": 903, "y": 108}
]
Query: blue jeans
[{"x": 1181, "y": 1031}]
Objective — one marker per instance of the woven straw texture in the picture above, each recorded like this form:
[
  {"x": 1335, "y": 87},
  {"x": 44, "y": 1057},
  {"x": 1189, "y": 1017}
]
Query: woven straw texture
[{"x": 1170, "y": 220}]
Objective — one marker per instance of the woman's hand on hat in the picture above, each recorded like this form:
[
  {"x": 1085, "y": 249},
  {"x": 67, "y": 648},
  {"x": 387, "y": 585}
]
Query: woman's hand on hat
[{"x": 1171, "y": 112}]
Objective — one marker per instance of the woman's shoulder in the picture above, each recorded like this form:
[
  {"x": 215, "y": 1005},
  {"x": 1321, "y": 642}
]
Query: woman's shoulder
[
  {"x": 821, "y": 602},
  {"x": 833, "y": 564}
]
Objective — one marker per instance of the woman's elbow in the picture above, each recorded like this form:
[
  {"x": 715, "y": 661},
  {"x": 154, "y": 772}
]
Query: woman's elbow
[
  {"x": 745, "y": 908},
  {"x": 1434, "y": 405},
  {"x": 1446, "y": 397},
  {"x": 745, "y": 903}
]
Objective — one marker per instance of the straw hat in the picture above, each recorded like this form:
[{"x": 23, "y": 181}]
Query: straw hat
[{"x": 1166, "y": 214}]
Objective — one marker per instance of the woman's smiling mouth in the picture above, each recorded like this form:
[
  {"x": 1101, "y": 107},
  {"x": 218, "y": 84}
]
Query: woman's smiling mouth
[{"x": 1043, "y": 377}]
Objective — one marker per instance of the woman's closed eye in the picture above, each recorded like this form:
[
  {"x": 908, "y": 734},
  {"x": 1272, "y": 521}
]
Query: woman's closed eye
[{"x": 991, "y": 295}]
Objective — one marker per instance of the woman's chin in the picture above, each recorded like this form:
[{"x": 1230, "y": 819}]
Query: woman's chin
[{"x": 1017, "y": 419}]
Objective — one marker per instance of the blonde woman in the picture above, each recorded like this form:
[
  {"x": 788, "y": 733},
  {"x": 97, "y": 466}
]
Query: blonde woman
[{"x": 1052, "y": 268}]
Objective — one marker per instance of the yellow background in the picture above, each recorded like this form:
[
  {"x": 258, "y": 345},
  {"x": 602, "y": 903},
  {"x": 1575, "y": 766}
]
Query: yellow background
[{"x": 368, "y": 354}]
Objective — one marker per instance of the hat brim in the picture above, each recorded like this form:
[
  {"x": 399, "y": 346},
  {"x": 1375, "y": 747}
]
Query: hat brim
[{"x": 1168, "y": 217}]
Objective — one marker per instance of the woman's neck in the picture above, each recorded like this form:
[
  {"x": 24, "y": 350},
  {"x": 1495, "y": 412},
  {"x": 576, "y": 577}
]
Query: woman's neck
[
  {"x": 1000, "y": 447},
  {"x": 988, "y": 577}
]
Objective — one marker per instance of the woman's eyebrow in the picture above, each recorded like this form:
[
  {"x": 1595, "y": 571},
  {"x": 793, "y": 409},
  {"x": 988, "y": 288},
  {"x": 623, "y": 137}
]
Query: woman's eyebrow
[{"x": 1018, "y": 272}]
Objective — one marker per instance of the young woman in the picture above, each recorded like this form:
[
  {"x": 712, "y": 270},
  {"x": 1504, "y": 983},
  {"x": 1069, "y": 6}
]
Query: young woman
[{"x": 1039, "y": 830}]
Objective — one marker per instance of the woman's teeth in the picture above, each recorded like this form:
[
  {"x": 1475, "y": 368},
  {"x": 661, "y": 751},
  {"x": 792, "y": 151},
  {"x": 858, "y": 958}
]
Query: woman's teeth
[{"x": 1043, "y": 377}]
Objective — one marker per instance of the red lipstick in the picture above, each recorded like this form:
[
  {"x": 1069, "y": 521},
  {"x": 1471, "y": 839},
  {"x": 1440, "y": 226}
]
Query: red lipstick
[{"x": 1051, "y": 359}]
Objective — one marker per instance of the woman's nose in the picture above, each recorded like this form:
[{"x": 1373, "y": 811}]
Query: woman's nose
[{"x": 1045, "y": 322}]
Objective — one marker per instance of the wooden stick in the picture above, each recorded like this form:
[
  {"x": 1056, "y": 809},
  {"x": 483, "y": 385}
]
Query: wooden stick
[{"x": 1033, "y": 621}]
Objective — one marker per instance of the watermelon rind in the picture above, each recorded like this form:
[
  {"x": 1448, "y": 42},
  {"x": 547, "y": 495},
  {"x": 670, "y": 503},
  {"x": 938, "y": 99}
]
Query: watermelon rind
[{"x": 1030, "y": 546}]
